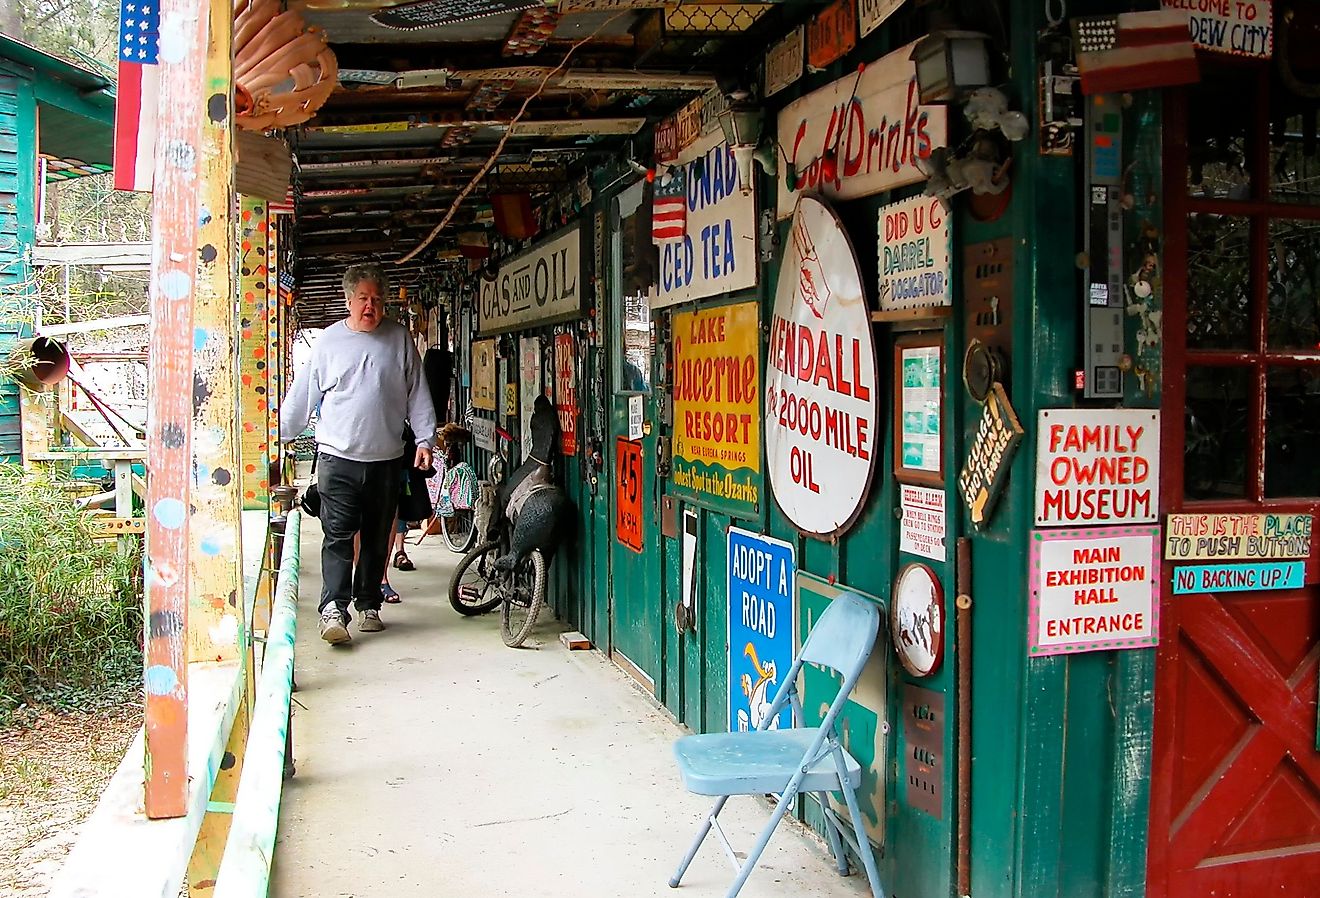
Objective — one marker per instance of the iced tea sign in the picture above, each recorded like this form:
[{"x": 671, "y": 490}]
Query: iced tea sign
[
  {"x": 1094, "y": 589},
  {"x": 820, "y": 401},
  {"x": 1097, "y": 466}
]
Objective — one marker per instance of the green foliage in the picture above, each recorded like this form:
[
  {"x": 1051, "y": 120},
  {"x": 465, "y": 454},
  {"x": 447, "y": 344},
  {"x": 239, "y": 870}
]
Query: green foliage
[
  {"x": 70, "y": 27},
  {"x": 70, "y": 605}
]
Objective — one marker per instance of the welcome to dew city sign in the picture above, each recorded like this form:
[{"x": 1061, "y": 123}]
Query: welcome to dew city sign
[
  {"x": 1097, "y": 466},
  {"x": 873, "y": 126},
  {"x": 820, "y": 402},
  {"x": 718, "y": 251}
]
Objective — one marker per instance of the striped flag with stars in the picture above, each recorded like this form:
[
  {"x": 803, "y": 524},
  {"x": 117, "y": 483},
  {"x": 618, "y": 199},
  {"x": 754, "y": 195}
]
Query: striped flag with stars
[{"x": 137, "y": 95}]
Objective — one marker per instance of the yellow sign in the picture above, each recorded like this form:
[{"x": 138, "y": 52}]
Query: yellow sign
[{"x": 717, "y": 411}]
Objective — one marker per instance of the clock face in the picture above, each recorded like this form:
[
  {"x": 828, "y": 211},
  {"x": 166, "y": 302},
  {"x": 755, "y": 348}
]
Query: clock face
[{"x": 917, "y": 620}]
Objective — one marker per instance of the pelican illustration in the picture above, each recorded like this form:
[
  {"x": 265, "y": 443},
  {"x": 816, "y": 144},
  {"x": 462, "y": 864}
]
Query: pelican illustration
[{"x": 759, "y": 695}]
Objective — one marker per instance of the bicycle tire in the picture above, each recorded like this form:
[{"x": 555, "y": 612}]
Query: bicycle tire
[
  {"x": 513, "y": 631},
  {"x": 484, "y": 557},
  {"x": 458, "y": 539}
]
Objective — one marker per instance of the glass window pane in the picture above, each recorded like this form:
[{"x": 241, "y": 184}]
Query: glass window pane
[
  {"x": 1294, "y": 173},
  {"x": 635, "y": 373},
  {"x": 1218, "y": 282},
  {"x": 1215, "y": 463},
  {"x": 1217, "y": 160},
  {"x": 1294, "y": 272},
  {"x": 1292, "y": 432}
]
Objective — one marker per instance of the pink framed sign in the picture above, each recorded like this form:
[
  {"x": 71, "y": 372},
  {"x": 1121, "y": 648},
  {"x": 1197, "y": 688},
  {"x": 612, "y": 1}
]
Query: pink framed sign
[{"x": 1094, "y": 589}]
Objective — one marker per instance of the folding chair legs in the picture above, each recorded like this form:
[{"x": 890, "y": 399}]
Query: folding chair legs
[
  {"x": 696, "y": 844},
  {"x": 863, "y": 845},
  {"x": 831, "y": 829},
  {"x": 745, "y": 869}
]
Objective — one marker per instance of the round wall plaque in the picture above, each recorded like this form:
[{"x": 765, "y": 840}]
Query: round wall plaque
[
  {"x": 820, "y": 403},
  {"x": 916, "y": 620}
]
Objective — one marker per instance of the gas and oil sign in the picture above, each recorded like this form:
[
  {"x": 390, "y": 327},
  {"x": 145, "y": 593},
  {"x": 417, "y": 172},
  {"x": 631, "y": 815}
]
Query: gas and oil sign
[
  {"x": 820, "y": 402},
  {"x": 717, "y": 418}
]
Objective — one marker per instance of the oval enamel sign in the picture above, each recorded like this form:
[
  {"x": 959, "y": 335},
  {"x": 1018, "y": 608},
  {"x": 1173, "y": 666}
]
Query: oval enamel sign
[{"x": 821, "y": 428}]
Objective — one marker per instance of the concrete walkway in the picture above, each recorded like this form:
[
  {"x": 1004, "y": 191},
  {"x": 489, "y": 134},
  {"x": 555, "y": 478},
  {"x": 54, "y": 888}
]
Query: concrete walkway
[{"x": 433, "y": 761}]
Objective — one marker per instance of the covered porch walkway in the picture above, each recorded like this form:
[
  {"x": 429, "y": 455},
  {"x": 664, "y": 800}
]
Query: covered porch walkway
[{"x": 432, "y": 760}]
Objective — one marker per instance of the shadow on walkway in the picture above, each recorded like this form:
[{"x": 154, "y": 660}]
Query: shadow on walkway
[{"x": 433, "y": 761}]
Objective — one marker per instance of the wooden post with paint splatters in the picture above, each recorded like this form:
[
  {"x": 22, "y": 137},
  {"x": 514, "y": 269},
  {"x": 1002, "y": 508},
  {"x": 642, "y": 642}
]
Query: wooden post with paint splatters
[
  {"x": 254, "y": 273},
  {"x": 169, "y": 410},
  {"x": 217, "y": 629}
]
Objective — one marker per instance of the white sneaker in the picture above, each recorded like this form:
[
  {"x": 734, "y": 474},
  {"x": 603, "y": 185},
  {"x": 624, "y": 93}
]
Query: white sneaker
[
  {"x": 333, "y": 627},
  {"x": 370, "y": 621}
]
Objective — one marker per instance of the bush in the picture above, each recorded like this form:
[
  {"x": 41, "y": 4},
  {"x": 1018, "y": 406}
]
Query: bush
[{"x": 70, "y": 604}]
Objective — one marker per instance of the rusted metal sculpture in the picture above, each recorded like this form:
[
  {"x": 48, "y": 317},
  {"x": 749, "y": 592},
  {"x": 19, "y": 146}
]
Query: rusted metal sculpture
[{"x": 283, "y": 70}]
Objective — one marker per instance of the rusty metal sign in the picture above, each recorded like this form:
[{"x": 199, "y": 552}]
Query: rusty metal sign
[
  {"x": 831, "y": 34},
  {"x": 923, "y": 759},
  {"x": 688, "y": 123},
  {"x": 783, "y": 62}
]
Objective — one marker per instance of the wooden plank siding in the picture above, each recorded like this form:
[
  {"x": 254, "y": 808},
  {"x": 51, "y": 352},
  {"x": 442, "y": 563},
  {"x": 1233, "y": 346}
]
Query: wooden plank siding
[{"x": 17, "y": 127}]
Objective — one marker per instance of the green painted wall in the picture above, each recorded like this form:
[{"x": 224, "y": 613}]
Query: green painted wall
[{"x": 17, "y": 224}]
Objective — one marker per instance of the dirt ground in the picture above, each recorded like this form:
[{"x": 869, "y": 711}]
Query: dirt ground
[{"x": 51, "y": 773}]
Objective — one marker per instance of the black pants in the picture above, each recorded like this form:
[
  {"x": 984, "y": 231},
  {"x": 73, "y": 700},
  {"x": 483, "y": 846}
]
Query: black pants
[{"x": 356, "y": 497}]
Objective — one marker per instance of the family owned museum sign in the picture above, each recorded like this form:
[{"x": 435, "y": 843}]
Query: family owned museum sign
[{"x": 1097, "y": 466}]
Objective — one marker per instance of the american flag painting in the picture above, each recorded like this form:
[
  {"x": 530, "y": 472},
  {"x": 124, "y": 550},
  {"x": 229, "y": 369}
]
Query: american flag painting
[
  {"x": 1134, "y": 50},
  {"x": 669, "y": 207},
  {"x": 136, "y": 99}
]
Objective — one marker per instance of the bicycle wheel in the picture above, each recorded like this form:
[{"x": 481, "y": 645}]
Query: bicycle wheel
[
  {"x": 526, "y": 595},
  {"x": 474, "y": 588},
  {"x": 459, "y": 530}
]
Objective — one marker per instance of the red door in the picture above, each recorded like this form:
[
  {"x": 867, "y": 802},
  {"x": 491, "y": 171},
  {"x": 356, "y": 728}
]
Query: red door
[{"x": 1235, "y": 790}]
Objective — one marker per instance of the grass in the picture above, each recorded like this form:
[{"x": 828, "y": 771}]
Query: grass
[{"x": 70, "y": 605}]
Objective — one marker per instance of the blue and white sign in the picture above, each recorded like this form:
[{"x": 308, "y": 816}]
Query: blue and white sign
[
  {"x": 717, "y": 254},
  {"x": 1249, "y": 577},
  {"x": 762, "y": 573}
]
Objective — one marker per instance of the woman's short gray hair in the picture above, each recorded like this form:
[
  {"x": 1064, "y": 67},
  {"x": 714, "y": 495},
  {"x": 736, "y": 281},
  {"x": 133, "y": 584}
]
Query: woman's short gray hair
[{"x": 356, "y": 274}]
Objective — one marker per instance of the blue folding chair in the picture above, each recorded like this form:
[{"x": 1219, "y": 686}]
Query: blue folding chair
[{"x": 800, "y": 759}]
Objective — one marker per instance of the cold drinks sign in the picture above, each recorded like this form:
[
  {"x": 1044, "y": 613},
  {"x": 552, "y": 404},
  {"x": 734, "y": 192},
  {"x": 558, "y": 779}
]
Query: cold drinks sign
[
  {"x": 1097, "y": 466},
  {"x": 820, "y": 401}
]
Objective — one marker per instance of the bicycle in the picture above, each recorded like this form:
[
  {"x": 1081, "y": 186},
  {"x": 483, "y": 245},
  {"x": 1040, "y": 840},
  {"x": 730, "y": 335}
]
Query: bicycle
[
  {"x": 481, "y": 582},
  {"x": 452, "y": 500}
]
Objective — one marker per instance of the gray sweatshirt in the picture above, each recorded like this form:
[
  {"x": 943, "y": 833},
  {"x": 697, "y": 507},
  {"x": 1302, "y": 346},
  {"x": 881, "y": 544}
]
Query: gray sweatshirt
[{"x": 367, "y": 385}]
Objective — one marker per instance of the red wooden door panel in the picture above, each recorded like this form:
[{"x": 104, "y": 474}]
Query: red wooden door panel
[{"x": 1235, "y": 789}]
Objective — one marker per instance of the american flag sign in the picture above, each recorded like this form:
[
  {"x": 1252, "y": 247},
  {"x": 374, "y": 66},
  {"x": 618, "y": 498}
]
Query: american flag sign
[
  {"x": 138, "y": 93},
  {"x": 669, "y": 207}
]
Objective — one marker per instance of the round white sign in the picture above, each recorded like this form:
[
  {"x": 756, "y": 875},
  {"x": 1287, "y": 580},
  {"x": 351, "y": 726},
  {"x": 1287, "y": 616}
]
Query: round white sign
[{"x": 820, "y": 404}]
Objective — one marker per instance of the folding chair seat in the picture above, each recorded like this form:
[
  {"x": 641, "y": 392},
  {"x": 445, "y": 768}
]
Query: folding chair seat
[{"x": 787, "y": 762}]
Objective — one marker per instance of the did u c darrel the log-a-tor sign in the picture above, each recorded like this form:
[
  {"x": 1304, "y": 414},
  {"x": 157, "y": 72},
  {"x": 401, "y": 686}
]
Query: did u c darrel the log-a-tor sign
[
  {"x": 871, "y": 127},
  {"x": 717, "y": 391},
  {"x": 542, "y": 285},
  {"x": 820, "y": 402}
]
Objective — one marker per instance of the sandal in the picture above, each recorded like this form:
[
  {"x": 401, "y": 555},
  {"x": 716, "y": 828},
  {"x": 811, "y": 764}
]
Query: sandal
[
  {"x": 389, "y": 594},
  {"x": 403, "y": 562}
]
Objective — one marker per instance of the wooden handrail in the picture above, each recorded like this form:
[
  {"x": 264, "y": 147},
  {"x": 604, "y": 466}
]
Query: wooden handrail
[{"x": 245, "y": 869}]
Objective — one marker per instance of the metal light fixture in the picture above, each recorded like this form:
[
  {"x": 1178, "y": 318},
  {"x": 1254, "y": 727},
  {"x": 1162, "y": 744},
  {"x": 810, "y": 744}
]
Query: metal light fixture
[
  {"x": 741, "y": 121},
  {"x": 950, "y": 63}
]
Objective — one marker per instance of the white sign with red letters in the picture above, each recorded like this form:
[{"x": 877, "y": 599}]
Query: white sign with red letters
[
  {"x": 1097, "y": 466},
  {"x": 820, "y": 402},
  {"x": 860, "y": 135}
]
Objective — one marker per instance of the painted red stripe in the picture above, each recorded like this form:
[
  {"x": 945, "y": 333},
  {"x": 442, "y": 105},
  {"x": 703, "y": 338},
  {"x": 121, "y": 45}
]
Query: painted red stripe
[
  {"x": 1118, "y": 70},
  {"x": 128, "y": 114},
  {"x": 1150, "y": 37}
]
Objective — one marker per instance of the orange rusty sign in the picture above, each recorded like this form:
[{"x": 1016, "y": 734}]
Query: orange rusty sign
[
  {"x": 832, "y": 33},
  {"x": 628, "y": 516}
]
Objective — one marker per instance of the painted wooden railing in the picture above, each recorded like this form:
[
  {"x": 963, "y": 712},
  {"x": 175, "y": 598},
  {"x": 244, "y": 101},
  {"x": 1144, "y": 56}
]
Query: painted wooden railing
[
  {"x": 120, "y": 853},
  {"x": 245, "y": 869}
]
